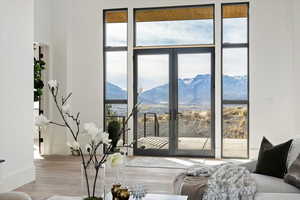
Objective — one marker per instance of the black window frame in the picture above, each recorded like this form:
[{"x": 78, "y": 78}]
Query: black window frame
[
  {"x": 112, "y": 49},
  {"x": 225, "y": 102}
]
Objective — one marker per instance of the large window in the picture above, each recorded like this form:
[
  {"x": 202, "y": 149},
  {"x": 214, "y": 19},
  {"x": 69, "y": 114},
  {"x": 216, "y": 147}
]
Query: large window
[
  {"x": 235, "y": 95},
  {"x": 115, "y": 65},
  {"x": 174, "y": 78},
  {"x": 175, "y": 26}
]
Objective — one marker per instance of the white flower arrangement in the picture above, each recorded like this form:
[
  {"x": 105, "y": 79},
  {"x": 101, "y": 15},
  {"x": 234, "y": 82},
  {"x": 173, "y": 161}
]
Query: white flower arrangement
[{"x": 98, "y": 137}]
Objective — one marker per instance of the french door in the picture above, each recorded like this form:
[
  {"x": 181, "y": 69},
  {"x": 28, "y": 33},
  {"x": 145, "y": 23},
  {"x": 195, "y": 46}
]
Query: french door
[{"x": 175, "y": 90}]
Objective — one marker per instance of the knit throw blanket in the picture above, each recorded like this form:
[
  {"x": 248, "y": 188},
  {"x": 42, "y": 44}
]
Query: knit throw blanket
[{"x": 226, "y": 182}]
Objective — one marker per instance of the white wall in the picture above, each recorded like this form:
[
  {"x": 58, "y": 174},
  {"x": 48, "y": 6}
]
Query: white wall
[
  {"x": 273, "y": 61},
  {"x": 51, "y": 30},
  {"x": 272, "y": 77},
  {"x": 16, "y": 86},
  {"x": 296, "y": 64}
]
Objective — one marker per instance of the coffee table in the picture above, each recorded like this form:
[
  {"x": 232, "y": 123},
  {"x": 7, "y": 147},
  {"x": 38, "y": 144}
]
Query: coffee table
[{"x": 148, "y": 197}]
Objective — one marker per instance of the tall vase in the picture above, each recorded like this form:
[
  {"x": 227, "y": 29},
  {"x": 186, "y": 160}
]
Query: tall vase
[{"x": 96, "y": 186}]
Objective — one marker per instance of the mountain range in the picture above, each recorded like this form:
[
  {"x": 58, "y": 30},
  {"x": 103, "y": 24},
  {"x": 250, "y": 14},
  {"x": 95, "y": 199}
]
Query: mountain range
[{"x": 194, "y": 91}]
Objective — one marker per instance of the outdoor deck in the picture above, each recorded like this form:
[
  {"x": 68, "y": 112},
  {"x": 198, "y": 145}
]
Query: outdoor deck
[{"x": 232, "y": 147}]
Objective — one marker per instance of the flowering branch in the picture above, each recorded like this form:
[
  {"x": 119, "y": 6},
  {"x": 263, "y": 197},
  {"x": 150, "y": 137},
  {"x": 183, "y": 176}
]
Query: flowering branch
[
  {"x": 53, "y": 87},
  {"x": 98, "y": 137},
  {"x": 64, "y": 100},
  {"x": 57, "y": 124}
]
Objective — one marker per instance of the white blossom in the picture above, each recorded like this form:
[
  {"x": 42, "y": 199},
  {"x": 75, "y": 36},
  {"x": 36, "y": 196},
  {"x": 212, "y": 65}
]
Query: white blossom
[
  {"x": 123, "y": 150},
  {"x": 75, "y": 145},
  {"x": 115, "y": 160},
  {"x": 52, "y": 84},
  {"x": 66, "y": 108},
  {"x": 41, "y": 121},
  {"x": 92, "y": 130},
  {"x": 88, "y": 147},
  {"x": 120, "y": 143},
  {"x": 105, "y": 138}
]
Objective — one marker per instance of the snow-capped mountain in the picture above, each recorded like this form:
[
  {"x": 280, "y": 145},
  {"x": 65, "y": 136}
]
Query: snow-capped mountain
[{"x": 196, "y": 90}]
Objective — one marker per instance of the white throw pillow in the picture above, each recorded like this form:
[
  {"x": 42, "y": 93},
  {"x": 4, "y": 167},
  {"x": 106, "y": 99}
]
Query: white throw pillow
[{"x": 294, "y": 152}]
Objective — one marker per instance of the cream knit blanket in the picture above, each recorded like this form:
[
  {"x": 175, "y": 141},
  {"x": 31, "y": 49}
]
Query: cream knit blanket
[{"x": 226, "y": 182}]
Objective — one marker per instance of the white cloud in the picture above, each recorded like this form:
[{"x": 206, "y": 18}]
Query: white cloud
[
  {"x": 235, "y": 61},
  {"x": 116, "y": 34},
  {"x": 190, "y": 65},
  {"x": 174, "y": 32},
  {"x": 116, "y": 68},
  {"x": 235, "y": 30},
  {"x": 153, "y": 71}
]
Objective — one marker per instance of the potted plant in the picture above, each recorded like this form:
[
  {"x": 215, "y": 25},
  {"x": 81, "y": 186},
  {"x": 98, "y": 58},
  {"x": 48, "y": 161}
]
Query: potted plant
[
  {"x": 39, "y": 66},
  {"x": 113, "y": 130}
]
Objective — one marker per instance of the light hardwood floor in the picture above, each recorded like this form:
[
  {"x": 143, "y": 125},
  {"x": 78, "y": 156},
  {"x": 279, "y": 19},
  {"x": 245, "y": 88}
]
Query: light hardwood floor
[{"x": 60, "y": 175}]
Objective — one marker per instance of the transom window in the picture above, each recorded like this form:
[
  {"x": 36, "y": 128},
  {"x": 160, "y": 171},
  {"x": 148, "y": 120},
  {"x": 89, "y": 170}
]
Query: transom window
[{"x": 174, "y": 26}]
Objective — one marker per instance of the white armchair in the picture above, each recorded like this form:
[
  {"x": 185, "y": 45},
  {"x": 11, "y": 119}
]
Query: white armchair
[{"x": 14, "y": 196}]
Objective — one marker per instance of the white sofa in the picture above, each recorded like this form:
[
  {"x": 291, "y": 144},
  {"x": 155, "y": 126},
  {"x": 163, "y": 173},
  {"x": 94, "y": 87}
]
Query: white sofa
[
  {"x": 268, "y": 184},
  {"x": 272, "y": 188},
  {"x": 268, "y": 188}
]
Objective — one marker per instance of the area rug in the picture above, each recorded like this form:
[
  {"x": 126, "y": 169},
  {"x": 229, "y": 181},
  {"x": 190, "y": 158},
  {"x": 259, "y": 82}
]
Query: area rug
[{"x": 174, "y": 163}]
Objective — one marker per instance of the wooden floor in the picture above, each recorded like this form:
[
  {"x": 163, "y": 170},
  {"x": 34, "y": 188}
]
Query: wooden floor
[{"x": 60, "y": 175}]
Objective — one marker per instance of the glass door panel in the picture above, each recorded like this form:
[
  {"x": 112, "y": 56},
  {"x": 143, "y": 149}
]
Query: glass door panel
[
  {"x": 195, "y": 101},
  {"x": 174, "y": 88},
  {"x": 152, "y": 121}
]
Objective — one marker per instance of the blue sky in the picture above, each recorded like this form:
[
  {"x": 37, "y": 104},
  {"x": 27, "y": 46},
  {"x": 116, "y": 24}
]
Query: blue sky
[{"x": 175, "y": 33}]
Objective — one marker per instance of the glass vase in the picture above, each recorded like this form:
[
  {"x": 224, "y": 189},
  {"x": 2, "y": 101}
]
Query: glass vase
[{"x": 96, "y": 182}]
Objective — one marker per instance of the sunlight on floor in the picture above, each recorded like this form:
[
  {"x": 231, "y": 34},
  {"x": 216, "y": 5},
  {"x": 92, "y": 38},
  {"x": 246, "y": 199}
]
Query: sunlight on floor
[
  {"x": 195, "y": 161},
  {"x": 182, "y": 162},
  {"x": 36, "y": 153}
]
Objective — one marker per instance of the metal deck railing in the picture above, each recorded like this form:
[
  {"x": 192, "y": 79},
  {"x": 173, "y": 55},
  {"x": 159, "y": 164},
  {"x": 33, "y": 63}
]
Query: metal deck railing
[{"x": 156, "y": 124}]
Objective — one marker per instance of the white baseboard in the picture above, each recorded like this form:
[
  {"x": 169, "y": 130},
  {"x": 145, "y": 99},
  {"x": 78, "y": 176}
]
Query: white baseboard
[{"x": 17, "y": 179}]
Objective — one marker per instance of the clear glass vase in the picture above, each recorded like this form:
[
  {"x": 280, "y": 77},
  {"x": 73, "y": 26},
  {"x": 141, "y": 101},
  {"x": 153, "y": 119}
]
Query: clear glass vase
[
  {"x": 118, "y": 175},
  {"x": 96, "y": 182}
]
